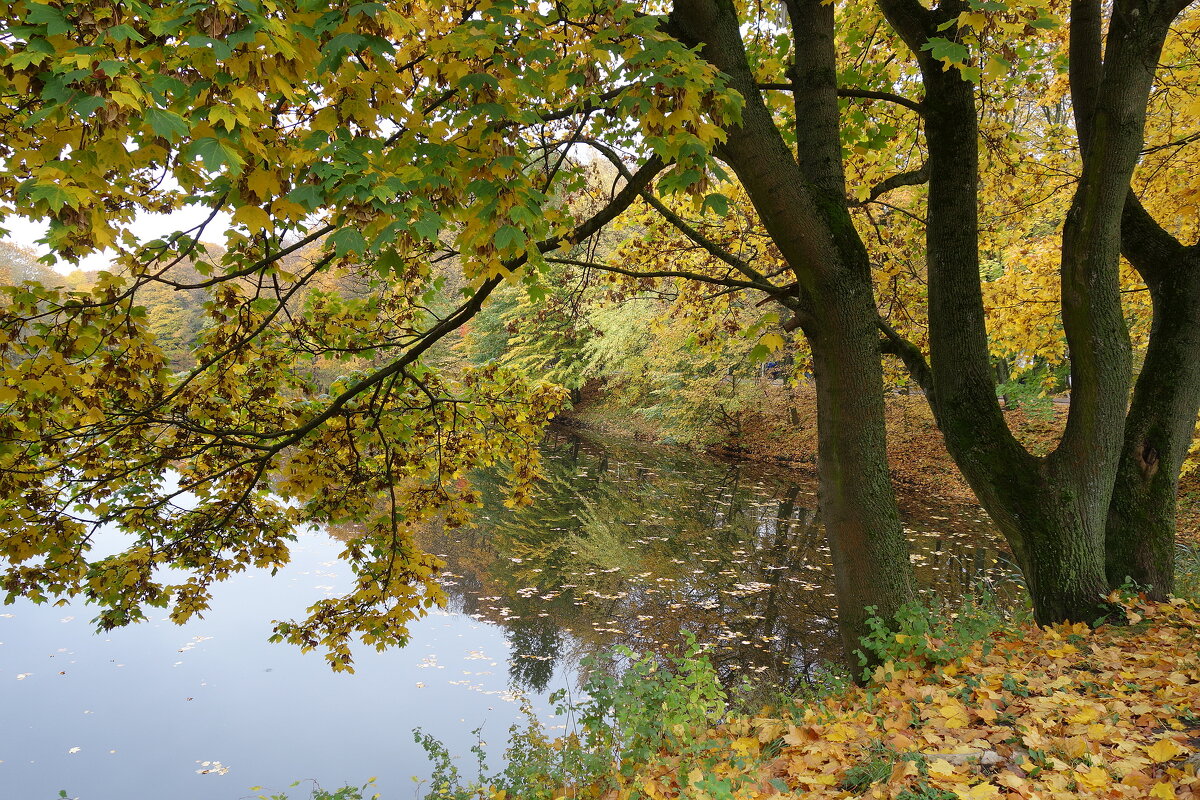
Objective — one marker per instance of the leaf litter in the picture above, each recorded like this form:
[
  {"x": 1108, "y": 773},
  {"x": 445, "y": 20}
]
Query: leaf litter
[{"x": 1066, "y": 712}]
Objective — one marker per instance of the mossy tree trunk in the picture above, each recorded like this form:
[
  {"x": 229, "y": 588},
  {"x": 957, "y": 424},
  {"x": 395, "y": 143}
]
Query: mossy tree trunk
[
  {"x": 1140, "y": 538},
  {"x": 1140, "y": 528}
]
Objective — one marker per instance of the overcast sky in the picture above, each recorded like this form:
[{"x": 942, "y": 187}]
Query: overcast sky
[{"x": 146, "y": 226}]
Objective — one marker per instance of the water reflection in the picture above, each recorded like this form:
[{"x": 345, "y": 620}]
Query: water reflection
[{"x": 635, "y": 546}]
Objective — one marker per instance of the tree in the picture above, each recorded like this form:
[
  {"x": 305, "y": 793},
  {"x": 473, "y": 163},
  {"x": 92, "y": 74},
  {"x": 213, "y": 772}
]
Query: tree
[
  {"x": 1053, "y": 510},
  {"x": 382, "y": 139},
  {"x": 398, "y": 137}
]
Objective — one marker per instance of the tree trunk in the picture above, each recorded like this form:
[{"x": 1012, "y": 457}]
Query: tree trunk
[
  {"x": 800, "y": 198},
  {"x": 858, "y": 507},
  {"x": 1060, "y": 531},
  {"x": 1053, "y": 511},
  {"x": 1140, "y": 539}
]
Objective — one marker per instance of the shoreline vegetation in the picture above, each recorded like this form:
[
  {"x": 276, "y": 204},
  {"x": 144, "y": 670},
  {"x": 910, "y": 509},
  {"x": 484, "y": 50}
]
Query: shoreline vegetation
[{"x": 1020, "y": 712}]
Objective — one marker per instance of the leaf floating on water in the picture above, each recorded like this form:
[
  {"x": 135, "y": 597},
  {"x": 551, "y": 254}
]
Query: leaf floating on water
[{"x": 211, "y": 768}]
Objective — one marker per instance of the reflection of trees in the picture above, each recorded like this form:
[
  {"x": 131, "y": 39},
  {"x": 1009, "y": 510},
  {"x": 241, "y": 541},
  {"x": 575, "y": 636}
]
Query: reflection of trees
[
  {"x": 634, "y": 547},
  {"x": 536, "y": 643}
]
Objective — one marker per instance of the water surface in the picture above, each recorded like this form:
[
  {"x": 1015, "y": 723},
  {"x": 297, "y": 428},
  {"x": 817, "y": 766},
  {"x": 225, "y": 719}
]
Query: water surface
[{"x": 625, "y": 545}]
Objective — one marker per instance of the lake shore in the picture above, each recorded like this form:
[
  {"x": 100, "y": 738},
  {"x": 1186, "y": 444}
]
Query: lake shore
[{"x": 1063, "y": 712}]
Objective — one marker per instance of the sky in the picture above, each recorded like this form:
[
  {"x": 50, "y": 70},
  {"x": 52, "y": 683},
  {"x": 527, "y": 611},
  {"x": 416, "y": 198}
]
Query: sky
[{"x": 146, "y": 226}]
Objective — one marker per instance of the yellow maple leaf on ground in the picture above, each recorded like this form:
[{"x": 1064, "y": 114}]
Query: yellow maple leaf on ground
[
  {"x": 980, "y": 791},
  {"x": 1165, "y": 750},
  {"x": 1163, "y": 791}
]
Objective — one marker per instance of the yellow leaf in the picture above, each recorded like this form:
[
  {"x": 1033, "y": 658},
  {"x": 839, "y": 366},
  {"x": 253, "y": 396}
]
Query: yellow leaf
[
  {"x": 253, "y": 217},
  {"x": 980, "y": 791},
  {"x": 972, "y": 19},
  {"x": 995, "y": 68},
  {"x": 263, "y": 183},
  {"x": 1165, "y": 750},
  {"x": 1076, "y": 747},
  {"x": 1163, "y": 791},
  {"x": 943, "y": 769},
  {"x": 772, "y": 341},
  {"x": 955, "y": 714},
  {"x": 286, "y": 208},
  {"x": 901, "y": 770},
  {"x": 1094, "y": 778}
]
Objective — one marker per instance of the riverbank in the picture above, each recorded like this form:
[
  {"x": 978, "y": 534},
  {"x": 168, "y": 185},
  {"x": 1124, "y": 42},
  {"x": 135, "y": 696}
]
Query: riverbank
[
  {"x": 1063, "y": 712},
  {"x": 780, "y": 427},
  {"x": 1015, "y": 713}
]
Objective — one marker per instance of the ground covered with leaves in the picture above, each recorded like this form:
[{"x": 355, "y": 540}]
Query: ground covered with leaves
[{"x": 1063, "y": 712}]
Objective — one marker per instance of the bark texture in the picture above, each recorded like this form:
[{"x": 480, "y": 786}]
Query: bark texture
[{"x": 1140, "y": 534}]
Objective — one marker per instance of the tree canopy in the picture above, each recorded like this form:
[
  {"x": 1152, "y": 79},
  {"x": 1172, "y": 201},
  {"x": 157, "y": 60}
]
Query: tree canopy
[{"x": 864, "y": 168}]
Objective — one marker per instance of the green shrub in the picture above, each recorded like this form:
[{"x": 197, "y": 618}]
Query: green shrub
[
  {"x": 628, "y": 716},
  {"x": 317, "y": 793},
  {"x": 929, "y": 636}
]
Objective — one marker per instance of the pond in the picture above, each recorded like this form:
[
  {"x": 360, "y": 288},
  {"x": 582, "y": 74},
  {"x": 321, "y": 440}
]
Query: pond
[{"x": 625, "y": 545}]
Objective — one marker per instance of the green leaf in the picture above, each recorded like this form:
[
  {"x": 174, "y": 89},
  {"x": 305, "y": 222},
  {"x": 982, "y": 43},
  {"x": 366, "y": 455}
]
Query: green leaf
[
  {"x": 947, "y": 51},
  {"x": 111, "y": 67},
  {"x": 536, "y": 291},
  {"x": 334, "y": 51},
  {"x": 388, "y": 262},
  {"x": 53, "y": 193},
  {"x": 719, "y": 204},
  {"x": 49, "y": 16},
  {"x": 88, "y": 105},
  {"x": 428, "y": 226},
  {"x": 124, "y": 33},
  {"x": 24, "y": 58},
  {"x": 216, "y": 153},
  {"x": 166, "y": 124},
  {"x": 307, "y": 196},
  {"x": 508, "y": 237},
  {"x": 347, "y": 241}
]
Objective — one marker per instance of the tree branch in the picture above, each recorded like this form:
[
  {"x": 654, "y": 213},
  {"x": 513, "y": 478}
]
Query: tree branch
[
  {"x": 914, "y": 360},
  {"x": 733, "y": 283},
  {"x": 637, "y": 183},
  {"x": 1086, "y": 68},
  {"x": 678, "y": 222},
  {"x": 861, "y": 94},
  {"x": 914, "y": 177}
]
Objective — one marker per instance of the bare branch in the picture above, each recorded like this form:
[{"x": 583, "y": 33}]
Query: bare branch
[
  {"x": 914, "y": 177},
  {"x": 861, "y": 94}
]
